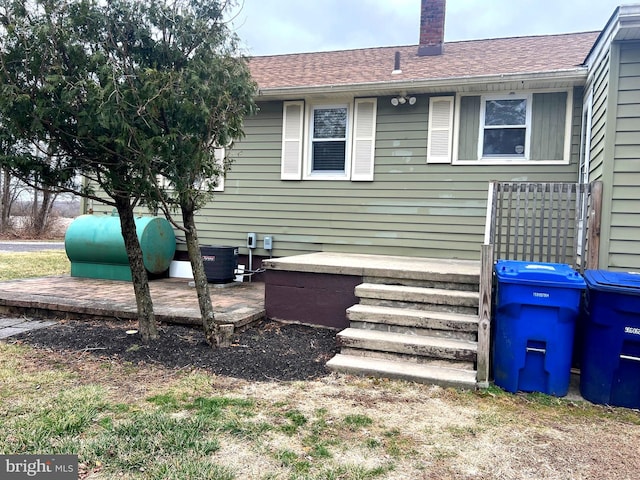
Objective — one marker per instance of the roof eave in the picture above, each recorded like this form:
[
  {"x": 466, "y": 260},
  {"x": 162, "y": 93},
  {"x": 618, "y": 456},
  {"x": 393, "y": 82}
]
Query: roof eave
[
  {"x": 629, "y": 23},
  {"x": 624, "y": 24},
  {"x": 573, "y": 76}
]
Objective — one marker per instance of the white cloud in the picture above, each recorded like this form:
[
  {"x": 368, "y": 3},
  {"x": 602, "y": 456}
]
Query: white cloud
[
  {"x": 469, "y": 19},
  {"x": 288, "y": 26}
]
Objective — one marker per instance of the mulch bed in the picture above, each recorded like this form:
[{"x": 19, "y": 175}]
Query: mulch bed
[{"x": 266, "y": 351}]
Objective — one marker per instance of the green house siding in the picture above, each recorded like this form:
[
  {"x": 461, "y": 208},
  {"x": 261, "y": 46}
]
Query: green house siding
[
  {"x": 469, "y": 128},
  {"x": 624, "y": 221},
  {"x": 548, "y": 126},
  {"x": 411, "y": 208},
  {"x": 600, "y": 88},
  {"x": 615, "y": 159},
  {"x": 576, "y": 125}
]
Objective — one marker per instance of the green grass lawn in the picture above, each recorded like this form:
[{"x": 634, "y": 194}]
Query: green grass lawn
[
  {"x": 33, "y": 264},
  {"x": 181, "y": 429},
  {"x": 147, "y": 422}
]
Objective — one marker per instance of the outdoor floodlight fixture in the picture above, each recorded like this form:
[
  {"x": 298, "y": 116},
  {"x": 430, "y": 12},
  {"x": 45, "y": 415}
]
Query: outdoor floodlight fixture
[{"x": 402, "y": 99}]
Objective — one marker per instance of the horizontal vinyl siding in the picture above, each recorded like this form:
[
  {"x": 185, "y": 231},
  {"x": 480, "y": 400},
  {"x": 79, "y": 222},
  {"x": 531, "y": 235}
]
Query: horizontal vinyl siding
[
  {"x": 624, "y": 247},
  {"x": 411, "y": 208},
  {"x": 600, "y": 85},
  {"x": 576, "y": 128}
]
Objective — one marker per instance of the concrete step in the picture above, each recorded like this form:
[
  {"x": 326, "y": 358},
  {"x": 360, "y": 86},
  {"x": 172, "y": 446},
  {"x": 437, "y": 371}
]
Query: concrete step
[
  {"x": 416, "y": 359},
  {"x": 418, "y": 298},
  {"x": 446, "y": 377},
  {"x": 418, "y": 319},
  {"x": 424, "y": 332},
  {"x": 425, "y": 346},
  {"x": 451, "y": 283}
]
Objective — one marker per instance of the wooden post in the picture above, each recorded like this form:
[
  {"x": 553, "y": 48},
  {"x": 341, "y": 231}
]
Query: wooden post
[
  {"x": 490, "y": 217},
  {"x": 484, "y": 324},
  {"x": 580, "y": 219},
  {"x": 593, "y": 226}
]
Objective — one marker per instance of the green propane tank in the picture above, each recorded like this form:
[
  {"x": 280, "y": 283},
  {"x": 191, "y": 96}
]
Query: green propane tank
[{"x": 95, "y": 246}]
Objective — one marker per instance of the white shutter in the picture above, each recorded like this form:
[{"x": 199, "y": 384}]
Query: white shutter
[
  {"x": 218, "y": 154},
  {"x": 292, "y": 131},
  {"x": 439, "y": 138},
  {"x": 364, "y": 139}
]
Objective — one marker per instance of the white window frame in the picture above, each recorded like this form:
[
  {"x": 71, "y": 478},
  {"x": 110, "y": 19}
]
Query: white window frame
[
  {"x": 309, "y": 173},
  {"x": 219, "y": 154},
  {"x": 585, "y": 161},
  {"x": 527, "y": 126},
  {"x": 513, "y": 160}
]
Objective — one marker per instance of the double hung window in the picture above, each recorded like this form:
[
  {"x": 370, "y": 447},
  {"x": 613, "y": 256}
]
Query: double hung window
[
  {"x": 505, "y": 130},
  {"x": 329, "y": 139}
]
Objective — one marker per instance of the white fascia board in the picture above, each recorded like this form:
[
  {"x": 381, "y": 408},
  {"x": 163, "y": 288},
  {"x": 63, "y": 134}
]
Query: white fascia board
[
  {"x": 624, "y": 19},
  {"x": 628, "y": 23},
  {"x": 602, "y": 42},
  {"x": 575, "y": 76}
]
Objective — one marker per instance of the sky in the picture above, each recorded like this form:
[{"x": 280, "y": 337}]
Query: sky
[{"x": 271, "y": 27}]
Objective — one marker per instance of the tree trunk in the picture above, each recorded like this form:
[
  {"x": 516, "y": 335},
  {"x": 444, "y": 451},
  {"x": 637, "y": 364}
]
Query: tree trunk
[
  {"x": 146, "y": 319},
  {"x": 5, "y": 199},
  {"x": 41, "y": 218},
  {"x": 211, "y": 329},
  {"x": 34, "y": 209}
]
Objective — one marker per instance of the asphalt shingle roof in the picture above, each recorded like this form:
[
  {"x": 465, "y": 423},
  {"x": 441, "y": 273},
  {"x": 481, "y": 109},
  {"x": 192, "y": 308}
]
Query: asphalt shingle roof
[{"x": 477, "y": 58}]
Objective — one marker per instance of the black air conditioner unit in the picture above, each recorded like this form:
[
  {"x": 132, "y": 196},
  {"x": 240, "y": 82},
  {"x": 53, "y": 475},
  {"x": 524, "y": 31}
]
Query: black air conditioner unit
[{"x": 220, "y": 263}]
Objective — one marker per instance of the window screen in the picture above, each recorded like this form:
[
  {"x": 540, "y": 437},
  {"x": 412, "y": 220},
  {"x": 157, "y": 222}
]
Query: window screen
[
  {"x": 505, "y": 127},
  {"x": 329, "y": 139}
]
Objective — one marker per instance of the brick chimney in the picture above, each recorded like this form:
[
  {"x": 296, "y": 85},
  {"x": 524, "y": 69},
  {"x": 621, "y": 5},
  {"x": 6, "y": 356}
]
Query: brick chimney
[{"x": 431, "y": 27}]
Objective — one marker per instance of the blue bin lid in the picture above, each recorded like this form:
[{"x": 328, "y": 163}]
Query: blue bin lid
[
  {"x": 625, "y": 282},
  {"x": 549, "y": 274}
]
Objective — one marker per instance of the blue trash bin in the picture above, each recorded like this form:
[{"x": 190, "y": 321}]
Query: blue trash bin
[
  {"x": 610, "y": 364},
  {"x": 536, "y": 309}
]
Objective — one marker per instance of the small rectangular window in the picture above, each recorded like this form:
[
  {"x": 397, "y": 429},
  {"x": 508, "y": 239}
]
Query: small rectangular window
[
  {"x": 505, "y": 129},
  {"x": 329, "y": 139}
]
